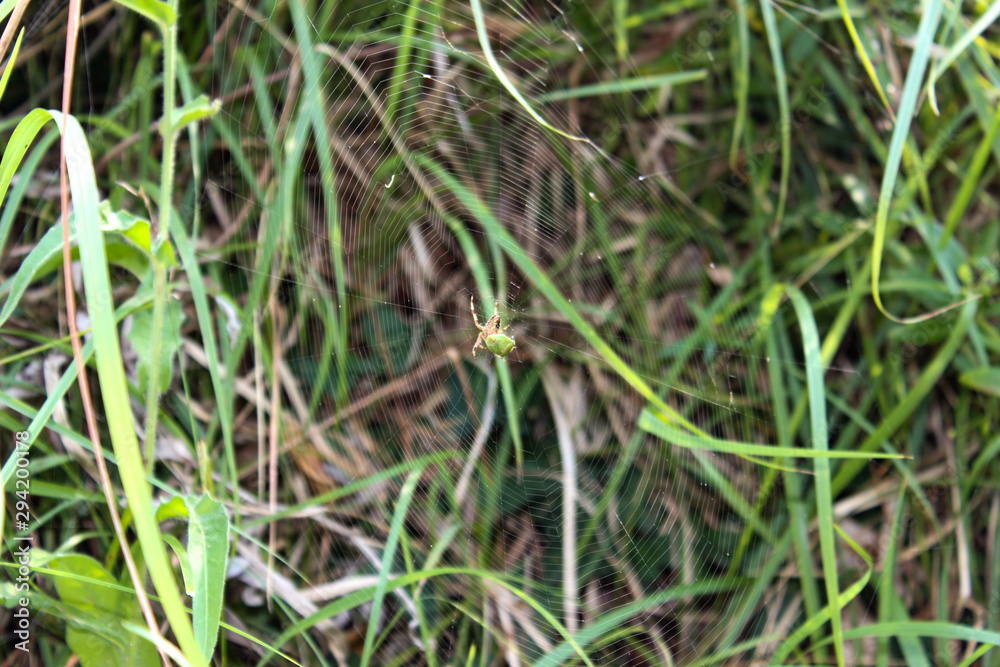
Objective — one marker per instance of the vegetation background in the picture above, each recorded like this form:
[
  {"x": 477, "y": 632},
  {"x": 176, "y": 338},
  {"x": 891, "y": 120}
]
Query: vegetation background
[{"x": 748, "y": 253}]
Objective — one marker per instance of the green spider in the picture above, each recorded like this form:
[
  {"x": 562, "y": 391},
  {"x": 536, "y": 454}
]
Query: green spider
[{"x": 491, "y": 336}]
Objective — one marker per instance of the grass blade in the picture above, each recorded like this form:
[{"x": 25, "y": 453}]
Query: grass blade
[
  {"x": 781, "y": 84},
  {"x": 907, "y": 110},
  {"x": 821, "y": 466},
  {"x": 388, "y": 557},
  {"x": 658, "y": 425},
  {"x": 114, "y": 386},
  {"x": 624, "y": 85}
]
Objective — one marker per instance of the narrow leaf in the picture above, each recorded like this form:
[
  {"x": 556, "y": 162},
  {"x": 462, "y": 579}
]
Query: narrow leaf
[{"x": 207, "y": 550}]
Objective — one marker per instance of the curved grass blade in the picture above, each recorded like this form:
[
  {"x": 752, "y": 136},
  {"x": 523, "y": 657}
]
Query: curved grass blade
[
  {"x": 27, "y": 172},
  {"x": 609, "y": 621},
  {"x": 651, "y": 422},
  {"x": 498, "y": 72},
  {"x": 985, "y": 20},
  {"x": 907, "y": 110},
  {"x": 160, "y": 13}
]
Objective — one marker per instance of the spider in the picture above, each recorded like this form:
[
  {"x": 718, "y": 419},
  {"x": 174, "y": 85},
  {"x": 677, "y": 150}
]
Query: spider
[{"x": 491, "y": 336}]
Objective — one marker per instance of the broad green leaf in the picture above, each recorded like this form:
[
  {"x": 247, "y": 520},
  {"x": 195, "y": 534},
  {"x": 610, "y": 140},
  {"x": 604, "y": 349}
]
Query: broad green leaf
[
  {"x": 137, "y": 230},
  {"x": 141, "y": 334},
  {"x": 94, "y": 615},
  {"x": 985, "y": 380},
  {"x": 126, "y": 243},
  {"x": 207, "y": 550}
]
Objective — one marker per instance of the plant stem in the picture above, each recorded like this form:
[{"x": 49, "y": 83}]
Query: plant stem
[{"x": 160, "y": 295}]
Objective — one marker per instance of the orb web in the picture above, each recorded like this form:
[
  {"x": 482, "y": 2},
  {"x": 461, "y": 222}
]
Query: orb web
[{"x": 352, "y": 187}]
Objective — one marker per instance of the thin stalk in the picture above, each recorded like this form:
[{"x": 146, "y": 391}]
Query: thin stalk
[{"x": 159, "y": 269}]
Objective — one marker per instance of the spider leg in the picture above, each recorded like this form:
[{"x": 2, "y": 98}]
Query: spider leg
[
  {"x": 507, "y": 327},
  {"x": 496, "y": 307},
  {"x": 479, "y": 341},
  {"x": 475, "y": 319}
]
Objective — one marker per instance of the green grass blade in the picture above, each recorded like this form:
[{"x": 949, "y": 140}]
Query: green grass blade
[
  {"x": 404, "y": 67},
  {"x": 885, "y": 585},
  {"x": 659, "y": 426},
  {"x": 859, "y": 48},
  {"x": 741, "y": 79},
  {"x": 10, "y": 63},
  {"x": 362, "y": 596},
  {"x": 160, "y": 13},
  {"x": 388, "y": 557},
  {"x": 206, "y": 327},
  {"x": 26, "y": 173},
  {"x": 781, "y": 84},
  {"x": 935, "y": 629},
  {"x": 821, "y": 466},
  {"x": 315, "y": 107},
  {"x": 985, "y": 20},
  {"x": 501, "y": 75},
  {"x": 114, "y": 386},
  {"x": 611, "y": 620},
  {"x": 25, "y": 132},
  {"x": 984, "y": 380},
  {"x": 905, "y": 408},
  {"x": 624, "y": 85},
  {"x": 970, "y": 180},
  {"x": 907, "y": 110}
]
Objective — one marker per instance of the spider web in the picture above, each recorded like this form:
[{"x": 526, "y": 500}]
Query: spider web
[{"x": 363, "y": 341}]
